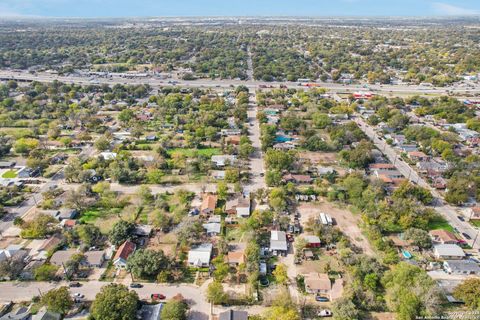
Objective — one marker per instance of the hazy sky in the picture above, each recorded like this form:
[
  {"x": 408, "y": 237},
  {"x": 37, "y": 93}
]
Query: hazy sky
[{"x": 129, "y": 8}]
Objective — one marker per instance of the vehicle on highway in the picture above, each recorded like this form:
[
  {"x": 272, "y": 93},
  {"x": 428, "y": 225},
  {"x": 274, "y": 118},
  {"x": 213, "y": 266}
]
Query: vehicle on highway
[
  {"x": 74, "y": 284},
  {"x": 136, "y": 285},
  {"x": 321, "y": 299},
  {"x": 157, "y": 296},
  {"x": 466, "y": 236}
]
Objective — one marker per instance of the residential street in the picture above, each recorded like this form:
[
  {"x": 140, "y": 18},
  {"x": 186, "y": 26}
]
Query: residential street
[
  {"x": 447, "y": 211},
  {"x": 257, "y": 167}
]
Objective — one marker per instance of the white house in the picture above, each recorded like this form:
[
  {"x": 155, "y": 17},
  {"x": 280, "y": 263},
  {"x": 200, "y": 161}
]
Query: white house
[
  {"x": 448, "y": 252},
  {"x": 200, "y": 256}
]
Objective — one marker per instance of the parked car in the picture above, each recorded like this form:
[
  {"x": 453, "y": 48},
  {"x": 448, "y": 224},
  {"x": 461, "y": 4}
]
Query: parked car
[
  {"x": 325, "y": 313},
  {"x": 466, "y": 236},
  {"x": 461, "y": 218},
  {"x": 321, "y": 299},
  {"x": 136, "y": 285},
  {"x": 78, "y": 295},
  {"x": 157, "y": 296},
  {"x": 74, "y": 284}
]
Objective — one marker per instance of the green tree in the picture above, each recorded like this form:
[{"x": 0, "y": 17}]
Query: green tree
[
  {"x": 89, "y": 234},
  {"x": 45, "y": 272},
  {"x": 280, "y": 274},
  {"x": 344, "y": 309},
  {"x": 174, "y": 310},
  {"x": 222, "y": 190},
  {"x": 25, "y": 145},
  {"x": 469, "y": 292},
  {"x": 146, "y": 264},
  {"x": 215, "y": 293},
  {"x": 58, "y": 300},
  {"x": 418, "y": 237},
  {"x": 115, "y": 302},
  {"x": 121, "y": 231}
]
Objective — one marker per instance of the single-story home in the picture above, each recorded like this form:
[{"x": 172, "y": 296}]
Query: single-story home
[
  {"x": 218, "y": 174},
  {"x": 223, "y": 160},
  {"x": 443, "y": 237},
  {"x": 94, "y": 259},
  {"x": 448, "y": 252},
  {"x": 318, "y": 283},
  {"x": 61, "y": 257},
  {"x": 142, "y": 230},
  {"x": 240, "y": 205},
  {"x": 235, "y": 258},
  {"x": 200, "y": 255},
  {"x": 212, "y": 228},
  {"x": 122, "y": 254},
  {"x": 465, "y": 267},
  {"x": 278, "y": 242},
  {"x": 417, "y": 156},
  {"x": 297, "y": 178},
  {"x": 150, "y": 312},
  {"x": 209, "y": 204}
]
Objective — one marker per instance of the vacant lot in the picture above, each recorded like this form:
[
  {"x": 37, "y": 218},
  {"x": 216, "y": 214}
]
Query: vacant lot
[
  {"x": 345, "y": 220},
  {"x": 208, "y": 152}
]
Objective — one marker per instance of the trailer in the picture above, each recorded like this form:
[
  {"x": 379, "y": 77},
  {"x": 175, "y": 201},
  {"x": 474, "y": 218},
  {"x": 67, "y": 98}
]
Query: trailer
[{"x": 325, "y": 219}]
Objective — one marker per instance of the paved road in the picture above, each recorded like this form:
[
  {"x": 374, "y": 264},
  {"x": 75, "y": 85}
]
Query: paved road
[
  {"x": 257, "y": 168},
  {"x": 447, "y": 211},
  {"x": 25, "y": 291},
  {"x": 225, "y": 83}
]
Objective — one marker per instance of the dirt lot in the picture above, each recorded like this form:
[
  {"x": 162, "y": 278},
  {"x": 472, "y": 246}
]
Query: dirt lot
[
  {"x": 165, "y": 242},
  {"x": 344, "y": 219},
  {"x": 319, "y": 157}
]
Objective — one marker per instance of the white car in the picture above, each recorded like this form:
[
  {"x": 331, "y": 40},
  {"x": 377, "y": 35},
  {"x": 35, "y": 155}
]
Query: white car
[{"x": 325, "y": 313}]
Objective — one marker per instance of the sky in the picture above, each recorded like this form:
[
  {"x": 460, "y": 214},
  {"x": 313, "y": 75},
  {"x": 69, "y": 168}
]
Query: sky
[{"x": 159, "y": 8}]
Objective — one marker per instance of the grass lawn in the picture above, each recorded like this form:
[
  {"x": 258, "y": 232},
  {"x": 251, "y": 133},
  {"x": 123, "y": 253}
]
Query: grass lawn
[
  {"x": 10, "y": 174},
  {"x": 208, "y": 152},
  {"x": 93, "y": 214},
  {"x": 475, "y": 223},
  {"x": 440, "y": 223}
]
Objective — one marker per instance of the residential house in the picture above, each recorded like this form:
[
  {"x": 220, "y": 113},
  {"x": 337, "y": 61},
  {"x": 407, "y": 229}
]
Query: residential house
[
  {"x": 218, "y": 174},
  {"x": 233, "y": 315},
  {"x": 297, "y": 178},
  {"x": 108, "y": 155},
  {"x": 461, "y": 267},
  {"x": 233, "y": 140},
  {"x": 209, "y": 204},
  {"x": 94, "y": 259},
  {"x": 122, "y": 254},
  {"x": 417, "y": 156},
  {"x": 441, "y": 236},
  {"x": 61, "y": 257},
  {"x": 235, "y": 258},
  {"x": 439, "y": 183},
  {"x": 278, "y": 242},
  {"x": 200, "y": 255},
  {"x": 143, "y": 230},
  {"x": 68, "y": 224},
  {"x": 223, "y": 160},
  {"x": 44, "y": 314},
  {"x": 21, "y": 313},
  {"x": 473, "y": 213},
  {"x": 28, "y": 272},
  {"x": 312, "y": 241},
  {"x": 230, "y": 132},
  {"x": 408, "y": 147},
  {"x": 382, "y": 166},
  {"x": 212, "y": 228},
  {"x": 240, "y": 205},
  {"x": 150, "y": 312},
  {"x": 284, "y": 146},
  {"x": 448, "y": 252},
  {"x": 13, "y": 251},
  {"x": 318, "y": 283}
]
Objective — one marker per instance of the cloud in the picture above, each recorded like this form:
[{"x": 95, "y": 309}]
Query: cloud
[{"x": 451, "y": 10}]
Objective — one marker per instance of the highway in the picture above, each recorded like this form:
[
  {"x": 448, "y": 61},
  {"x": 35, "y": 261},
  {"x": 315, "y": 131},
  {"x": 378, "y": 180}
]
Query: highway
[
  {"x": 227, "y": 83},
  {"x": 447, "y": 211}
]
